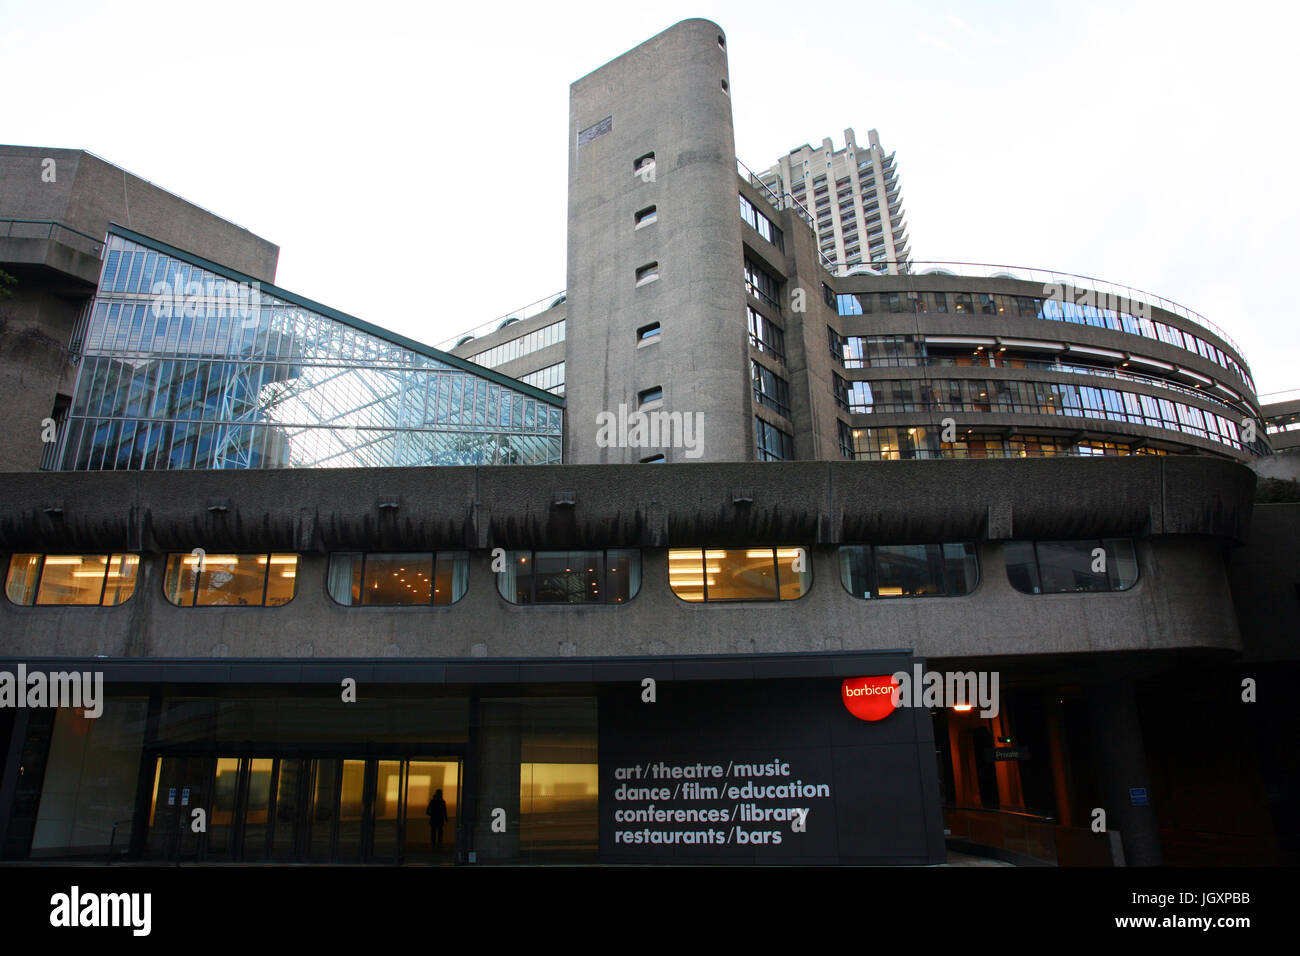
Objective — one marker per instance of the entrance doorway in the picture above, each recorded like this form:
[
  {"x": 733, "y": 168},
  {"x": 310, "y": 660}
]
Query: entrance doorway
[{"x": 303, "y": 809}]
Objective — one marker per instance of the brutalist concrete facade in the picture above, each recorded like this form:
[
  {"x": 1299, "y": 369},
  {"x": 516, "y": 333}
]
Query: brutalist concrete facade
[{"x": 55, "y": 208}]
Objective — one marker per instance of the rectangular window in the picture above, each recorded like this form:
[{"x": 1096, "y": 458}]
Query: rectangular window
[
  {"x": 770, "y": 389},
  {"x": 398, "y": 578},
  {"x": 647, "y": 273},
  {"x": 766, "y": 336},
  {"x": 761, "y": 224},
  {"x": 909, "y": 570},
  {"x": 841, "y": 390},
  {"x": 570, "y": 577},
  {"x": 1059, "y": 567},
  {"x": 648, "y": 333},
  {"x": 771, "y": 443},
  {"x": 242, "y": 580},
  {"x": 71, "y": 579},
  {"x": 848, "y": 304},
  {"x": 655, "y": 394},
  {"x": 836, "y": 342},
  {"x": 742, "y": 574},
  {"x": 846, "y": 439},
  {"x": 762, "y": 285},
  {"x": 646, "y": 216}
]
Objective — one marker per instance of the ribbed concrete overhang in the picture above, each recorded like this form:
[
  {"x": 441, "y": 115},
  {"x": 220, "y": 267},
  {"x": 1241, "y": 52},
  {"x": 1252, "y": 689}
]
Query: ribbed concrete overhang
[{"x": 567, "y": 506}]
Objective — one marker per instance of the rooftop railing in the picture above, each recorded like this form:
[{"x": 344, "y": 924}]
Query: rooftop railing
[
  {"x": 984, "y": 270},
  {"x": 50, "y": 229},
  {"x": 487, "y": 328},
  {"x": 786, "y": 201}
]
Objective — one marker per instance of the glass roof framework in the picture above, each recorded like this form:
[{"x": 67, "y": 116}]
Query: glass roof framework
[{"x": 226, "y": 374}]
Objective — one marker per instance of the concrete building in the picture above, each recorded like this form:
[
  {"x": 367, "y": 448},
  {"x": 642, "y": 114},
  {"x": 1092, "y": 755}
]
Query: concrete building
[
  {"x": 851, "y": 197},
  {"x": 597, "y": 660},
  {"x": 55, "y": 208}
]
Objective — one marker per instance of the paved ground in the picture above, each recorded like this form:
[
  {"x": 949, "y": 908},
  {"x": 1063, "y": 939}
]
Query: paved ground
[{"x": 965, "y": 859}]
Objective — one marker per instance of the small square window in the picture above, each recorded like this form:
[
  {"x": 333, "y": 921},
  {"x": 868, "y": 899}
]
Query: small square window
[
  {"x": 644, "y": 163},
  {"x": 646, "y": 216},
  {"x": 655, "y": 394},
  {"x": 647, "y": 273},
  {"x": 724, "y": 86},
  {"x": 648, "y": 333}
]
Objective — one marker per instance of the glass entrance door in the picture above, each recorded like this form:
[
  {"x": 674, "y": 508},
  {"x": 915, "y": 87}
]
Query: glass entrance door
[
  {"x": 306, "y": 809},
  {"x": 180, "y": 786},
  {"x": 432, "y": 811}
]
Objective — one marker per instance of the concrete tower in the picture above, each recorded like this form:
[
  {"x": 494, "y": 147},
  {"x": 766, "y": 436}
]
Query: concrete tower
[{"x": 655, "y": 258}]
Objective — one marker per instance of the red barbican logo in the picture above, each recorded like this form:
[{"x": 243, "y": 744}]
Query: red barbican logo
[{"x": 869, "y": 698}]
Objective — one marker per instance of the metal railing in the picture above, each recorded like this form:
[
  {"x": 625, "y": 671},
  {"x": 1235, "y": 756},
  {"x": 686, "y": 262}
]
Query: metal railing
[
  {"x": 855, "y": 364},
  {"x": 1116, "y": 290},
  {"x": 527, "y": 312},
  {"x": 50, "y": 229},
  {"x": 785, "y": 202}
]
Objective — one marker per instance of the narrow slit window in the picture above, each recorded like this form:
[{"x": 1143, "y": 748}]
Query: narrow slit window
[{"x": 655, "y": 394}]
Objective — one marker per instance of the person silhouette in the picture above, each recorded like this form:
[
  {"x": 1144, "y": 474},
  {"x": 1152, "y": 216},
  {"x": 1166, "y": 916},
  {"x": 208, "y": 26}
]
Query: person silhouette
[{"x": 437, "y": 813}]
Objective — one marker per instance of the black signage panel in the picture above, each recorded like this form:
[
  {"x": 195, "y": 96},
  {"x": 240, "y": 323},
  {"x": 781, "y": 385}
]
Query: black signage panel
[{"x": 764, "y": 771}]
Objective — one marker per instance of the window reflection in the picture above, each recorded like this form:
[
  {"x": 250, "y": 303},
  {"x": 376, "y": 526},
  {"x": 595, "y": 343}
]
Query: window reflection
[
  {"x": 1058, "y": 567},
  {"x": 909, "y": 570},
  {"x": 230, "y": 580},
  {"x": 571, "y": 577}
]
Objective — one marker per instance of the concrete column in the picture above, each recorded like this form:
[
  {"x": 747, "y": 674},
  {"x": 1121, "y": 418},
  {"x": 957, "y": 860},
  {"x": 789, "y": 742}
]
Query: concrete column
[
  {"x": 499, "y": 750},
  {"x": 1121, "y": 765},
  {"x": 1061, "y": 784}
]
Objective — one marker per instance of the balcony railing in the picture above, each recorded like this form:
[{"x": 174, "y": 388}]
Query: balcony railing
[
  {"x": 786, "y": 201},
  {"x": 984, "y": 270},
  {"x": 487, "y": 328},
  {"x": 52, "y": 230}
]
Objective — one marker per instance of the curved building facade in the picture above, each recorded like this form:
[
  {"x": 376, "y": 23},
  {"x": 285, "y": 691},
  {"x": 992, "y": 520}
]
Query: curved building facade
[{"x": 1022, "y": 364}]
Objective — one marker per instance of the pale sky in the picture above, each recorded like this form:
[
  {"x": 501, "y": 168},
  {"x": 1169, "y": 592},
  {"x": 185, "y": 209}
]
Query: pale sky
[{"x": 410, "y": 159}]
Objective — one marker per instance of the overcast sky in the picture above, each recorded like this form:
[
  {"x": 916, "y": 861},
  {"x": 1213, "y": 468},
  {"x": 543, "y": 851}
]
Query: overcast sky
[{"x": 410, "y": 160}]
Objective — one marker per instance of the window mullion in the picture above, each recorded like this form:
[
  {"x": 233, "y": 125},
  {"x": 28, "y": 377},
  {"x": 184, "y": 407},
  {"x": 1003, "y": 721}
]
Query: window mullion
[
  {"x": 40, "y": 573},
  {"x": 103, "y": 582}
]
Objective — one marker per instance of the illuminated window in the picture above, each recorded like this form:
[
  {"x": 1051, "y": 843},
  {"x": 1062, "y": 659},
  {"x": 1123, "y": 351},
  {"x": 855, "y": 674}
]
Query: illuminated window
[
  {"x": 570, "y": 577},
  {"x": 230, "y": 580},
  {"x": 81, "y": 579},
  {"x": 398, "y": 578},
  {"x": 909, "y": 570},
  {"x": 1060, "y": 567},
  {"x": 742, "y": 574}
]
